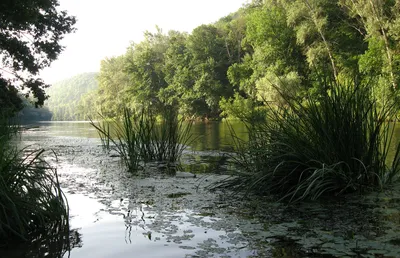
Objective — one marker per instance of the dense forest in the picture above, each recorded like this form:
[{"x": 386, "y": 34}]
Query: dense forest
[
  {"x": 69, "y": 99},
  {"x": 241, "y": 62}
]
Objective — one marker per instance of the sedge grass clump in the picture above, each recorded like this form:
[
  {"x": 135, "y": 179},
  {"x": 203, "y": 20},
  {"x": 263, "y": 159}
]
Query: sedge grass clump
[
  {"x": 162, "y": 139},
  {"x": 124, "y": 138},
  {"x": 141, "y": 138},
  {"x": 32, "y": 203},
  {"x": 171, "y": 136},
  {"x": 331, "y": 144}
]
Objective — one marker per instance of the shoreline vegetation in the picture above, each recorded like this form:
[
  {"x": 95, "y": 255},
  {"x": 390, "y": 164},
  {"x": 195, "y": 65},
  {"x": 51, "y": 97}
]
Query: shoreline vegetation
[
  {"x": 314, "y": 81},
  {"x": 242, "y": 62}
]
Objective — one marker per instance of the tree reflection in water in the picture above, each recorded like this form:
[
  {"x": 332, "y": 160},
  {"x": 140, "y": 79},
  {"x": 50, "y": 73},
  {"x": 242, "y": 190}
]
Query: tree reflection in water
[{"x": 57, "y": 243}]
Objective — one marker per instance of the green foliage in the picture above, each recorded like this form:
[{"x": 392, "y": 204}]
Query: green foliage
[
  {"x": 209, "y": 64},
  {"x": 30, "y": 35},
  {"x": 124, "y": 139},
  {"x": 111, "y": 95},
  {"x": 274, "y": 55},
  {"x": 380, "y": 21},
  {"x": 144, "y": 67},
  {"x": 170, "y": 137},
  {"x": 241, "y": 108},
  {"x": 232, "y": 29},
  {"x": 9, "y": 98},
  {"x": 264, "y": 48},
  {"x": 177, "y": 73},
  {"x": 189, "y": 71},
  {"x": 71, "y": 99},
  {"x": 31, "y": 200},
  {"x": 332, "y": 144}
]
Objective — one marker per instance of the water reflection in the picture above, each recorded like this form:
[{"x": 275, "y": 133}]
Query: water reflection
[
  {"x": 217, "y": 135},
  {"x": 56, "y": 243},
  {"x": 126, "y": 226},
  {"x": 166, "y": 233},
  {"x": 206, "y": 163},
  {"x": 208, "y": 136}
]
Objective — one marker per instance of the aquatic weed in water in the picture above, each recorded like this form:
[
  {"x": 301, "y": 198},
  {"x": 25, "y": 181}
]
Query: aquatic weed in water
[
  {"x": 335, "y": 143},
  {"x": 141, "y": 138}
]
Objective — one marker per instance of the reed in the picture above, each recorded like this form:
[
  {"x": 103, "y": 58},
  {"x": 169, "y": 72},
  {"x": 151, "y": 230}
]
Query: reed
[
  {"x": 140, "y": 138},
  {"x": 171, "y": 137},
  {"x": 31, "y": 200},
  {"x": 335, "y": 143},
  {"x": 124, "y": 139}
]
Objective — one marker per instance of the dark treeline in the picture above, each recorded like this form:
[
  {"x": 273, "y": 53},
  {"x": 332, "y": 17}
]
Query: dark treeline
[
  {"x": 241, "y": 62},
  {"x": 32, "y": 114}
]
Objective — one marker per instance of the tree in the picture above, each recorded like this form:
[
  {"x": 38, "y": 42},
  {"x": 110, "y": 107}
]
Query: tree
[
  {"x": 144, "y": 66},
  {"x": 379, "y": 21},
  {"x": 273, "y": 58},
  {"x": 30, "y": 34},
  {"x": 177, "y": 74},
  {"x": 113, "y": 83},
  {"x": 233, "y": 30},
  {"x": 326, "y": 34},
  {"x": 209, "y": 64}
]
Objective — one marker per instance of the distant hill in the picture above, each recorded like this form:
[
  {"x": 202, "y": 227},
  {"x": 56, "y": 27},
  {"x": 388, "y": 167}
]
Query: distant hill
[{"x": 69, "y": 98}]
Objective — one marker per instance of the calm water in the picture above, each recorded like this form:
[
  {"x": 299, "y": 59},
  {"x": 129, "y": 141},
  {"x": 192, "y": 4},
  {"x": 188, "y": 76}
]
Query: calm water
[
  {"x": 215, "y": 136},
  {"x": 208, "y": 136},
  {"x": 114, "y": 214},
  {"x": 155, "y": 215}
]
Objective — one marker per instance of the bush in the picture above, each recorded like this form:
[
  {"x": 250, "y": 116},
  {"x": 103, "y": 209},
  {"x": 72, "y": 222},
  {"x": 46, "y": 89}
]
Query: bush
[{"x": 331, "y": 144}]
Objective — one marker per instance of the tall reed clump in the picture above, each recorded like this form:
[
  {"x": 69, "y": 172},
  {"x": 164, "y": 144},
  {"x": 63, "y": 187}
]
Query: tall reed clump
[
  {"x": 170, "y": 137},
  {"x": 335, "y": 143},
  {"x": 123, "y": 137},
  {"x": 141, "y": 138},
  {"x": 32, "y": 203}
]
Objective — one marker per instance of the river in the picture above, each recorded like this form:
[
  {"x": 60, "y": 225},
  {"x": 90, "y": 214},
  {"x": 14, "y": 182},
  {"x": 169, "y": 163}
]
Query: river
[{"x": 153, "y": 214}]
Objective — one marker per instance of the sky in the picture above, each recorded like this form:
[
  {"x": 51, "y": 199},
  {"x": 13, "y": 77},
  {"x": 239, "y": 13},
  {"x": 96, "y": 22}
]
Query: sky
[{"x": 105, "y": 28}]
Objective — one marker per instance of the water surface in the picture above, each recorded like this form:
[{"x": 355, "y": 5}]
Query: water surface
[{"x": 154, "y": 214}]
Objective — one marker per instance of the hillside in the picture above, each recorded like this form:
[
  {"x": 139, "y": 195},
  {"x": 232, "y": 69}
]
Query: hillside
[{"x": 69, "y": 98}]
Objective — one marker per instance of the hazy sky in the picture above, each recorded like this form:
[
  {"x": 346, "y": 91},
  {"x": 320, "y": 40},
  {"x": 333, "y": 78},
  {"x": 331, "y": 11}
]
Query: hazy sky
[{"x": 106, "y": 27}]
